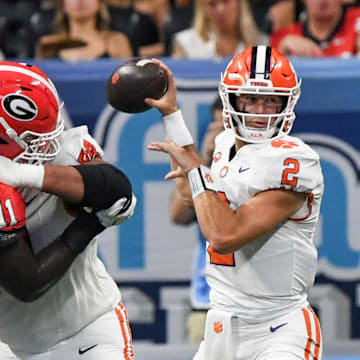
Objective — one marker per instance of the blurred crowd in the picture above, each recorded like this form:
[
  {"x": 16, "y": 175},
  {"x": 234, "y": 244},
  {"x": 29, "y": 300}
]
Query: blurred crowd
[{"x": 196, "y": 29}]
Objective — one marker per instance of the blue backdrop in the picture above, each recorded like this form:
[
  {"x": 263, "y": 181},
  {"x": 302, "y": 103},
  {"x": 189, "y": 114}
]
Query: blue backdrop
[{"x": 327, "y": 118}]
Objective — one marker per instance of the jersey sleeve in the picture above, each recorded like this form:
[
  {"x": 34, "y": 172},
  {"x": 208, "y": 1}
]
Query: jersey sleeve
[
  {"x": 298, "y": 170},
  {"x": 78, "y": 147}
]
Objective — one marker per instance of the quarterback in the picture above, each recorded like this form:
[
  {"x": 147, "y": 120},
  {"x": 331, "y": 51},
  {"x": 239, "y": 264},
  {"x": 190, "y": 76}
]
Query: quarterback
[
  {"x": 257, "y": 206},
  {"x": 57, "y": 301}
]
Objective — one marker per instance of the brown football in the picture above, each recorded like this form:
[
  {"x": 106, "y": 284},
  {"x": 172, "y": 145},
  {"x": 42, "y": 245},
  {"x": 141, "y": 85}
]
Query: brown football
[{"x": 132, "y": 82}]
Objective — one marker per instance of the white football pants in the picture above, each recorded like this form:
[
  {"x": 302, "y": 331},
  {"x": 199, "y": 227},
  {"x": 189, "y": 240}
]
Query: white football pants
[
  {"x": 295, "y": 336},
  {"x": 108, "y": 337}
]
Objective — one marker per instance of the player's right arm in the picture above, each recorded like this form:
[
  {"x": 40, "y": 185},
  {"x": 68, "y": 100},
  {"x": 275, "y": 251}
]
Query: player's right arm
[{"x": 175, "y": 130}]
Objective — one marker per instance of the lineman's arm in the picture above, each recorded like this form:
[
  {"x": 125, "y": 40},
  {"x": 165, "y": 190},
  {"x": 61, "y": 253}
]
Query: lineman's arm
[
  {"x": 27, "y": 276},
  {"x": 95, "y": 184}
]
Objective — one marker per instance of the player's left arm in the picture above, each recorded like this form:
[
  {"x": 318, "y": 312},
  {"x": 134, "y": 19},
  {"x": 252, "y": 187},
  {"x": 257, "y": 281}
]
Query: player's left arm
[
  {"x": 281, "y": 190},
  {"x": 228, "y": 230},
  {"x": 278, "y": 192}
]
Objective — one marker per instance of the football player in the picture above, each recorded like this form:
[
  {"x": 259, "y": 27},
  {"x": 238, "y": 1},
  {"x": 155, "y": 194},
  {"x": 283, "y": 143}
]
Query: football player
[
  {"x": 57, "y": 301},
  {"x": 257, "y": 207}
]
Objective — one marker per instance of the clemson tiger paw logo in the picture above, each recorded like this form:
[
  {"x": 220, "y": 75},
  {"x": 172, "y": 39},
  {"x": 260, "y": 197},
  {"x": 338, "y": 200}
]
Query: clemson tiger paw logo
[
  {"x": 218, "y": 327},
  {"x": 284, "y": 144}
]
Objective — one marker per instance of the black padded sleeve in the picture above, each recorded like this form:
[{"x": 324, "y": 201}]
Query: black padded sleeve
[{"x": 104, "y": 184}]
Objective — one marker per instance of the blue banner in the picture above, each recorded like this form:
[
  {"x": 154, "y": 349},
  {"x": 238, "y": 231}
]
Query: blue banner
[{"x": 151, "y": 258}]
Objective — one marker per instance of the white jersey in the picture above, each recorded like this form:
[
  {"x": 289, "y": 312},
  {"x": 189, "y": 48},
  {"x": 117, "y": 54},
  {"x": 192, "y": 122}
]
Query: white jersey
[
  {"x": 195, "y": 47},
  {"x": 269, "y": 276},
  {"x": 85, "y": 292}
]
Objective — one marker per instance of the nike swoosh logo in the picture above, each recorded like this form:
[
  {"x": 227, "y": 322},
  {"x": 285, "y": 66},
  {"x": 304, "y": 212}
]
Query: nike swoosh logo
[
  {"x": 273, "y": 329},
  {"x": 242, "y": 169},
  {"x": 82, "y": 351}
]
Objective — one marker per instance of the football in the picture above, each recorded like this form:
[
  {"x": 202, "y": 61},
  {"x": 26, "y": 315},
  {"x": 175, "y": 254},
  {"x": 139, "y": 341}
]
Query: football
[{"x": 134, "y": 81}]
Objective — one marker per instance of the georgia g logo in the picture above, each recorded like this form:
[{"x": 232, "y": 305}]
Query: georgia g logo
[{"x": 19, "y": 107}]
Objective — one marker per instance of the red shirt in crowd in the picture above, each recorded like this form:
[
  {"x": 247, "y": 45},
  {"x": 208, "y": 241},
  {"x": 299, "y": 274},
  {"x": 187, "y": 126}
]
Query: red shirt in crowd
[{"x": 341, "y": 42}]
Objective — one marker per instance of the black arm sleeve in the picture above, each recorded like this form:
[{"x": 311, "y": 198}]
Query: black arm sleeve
[
  {"x": 104, "y": 184},
  {"x": 27, "y": 276}
]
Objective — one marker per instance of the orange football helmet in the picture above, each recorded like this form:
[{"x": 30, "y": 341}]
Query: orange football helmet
[
  {"x": 259, "y": 70},
  {"x": 30, "y": 116}
]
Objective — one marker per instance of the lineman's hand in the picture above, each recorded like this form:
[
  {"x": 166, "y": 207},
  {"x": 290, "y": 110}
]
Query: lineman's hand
[
  {"x": 118, "y": 213},
  {"x": 166, "y": 104}
]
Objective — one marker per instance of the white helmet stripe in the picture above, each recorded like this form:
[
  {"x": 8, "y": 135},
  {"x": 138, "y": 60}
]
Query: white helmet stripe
[
  {"x": 36, "y": 76},
  {"x": 260, "y": 63}
]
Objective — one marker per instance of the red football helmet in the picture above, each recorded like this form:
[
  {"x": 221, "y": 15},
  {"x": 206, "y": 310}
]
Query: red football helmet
[
  {"x": 259, "y": 70},
  {"x": 30, "y": 116}
]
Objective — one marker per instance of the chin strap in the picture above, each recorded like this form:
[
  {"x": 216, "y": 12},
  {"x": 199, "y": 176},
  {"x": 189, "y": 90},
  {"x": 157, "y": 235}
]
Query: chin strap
[{"x": 11, "y": 133}]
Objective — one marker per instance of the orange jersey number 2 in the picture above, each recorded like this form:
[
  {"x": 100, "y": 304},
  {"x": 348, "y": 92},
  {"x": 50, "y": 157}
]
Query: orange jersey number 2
[{"x": 288, "y": 175}]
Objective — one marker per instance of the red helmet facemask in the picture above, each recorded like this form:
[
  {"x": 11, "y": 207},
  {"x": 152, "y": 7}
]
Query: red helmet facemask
[{"x": 30, "y": 116}]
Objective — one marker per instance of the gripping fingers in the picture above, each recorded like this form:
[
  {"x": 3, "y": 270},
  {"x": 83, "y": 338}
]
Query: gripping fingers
[
  {"x": 118, "y": 213},
  {"x": 155, "y": 146}
]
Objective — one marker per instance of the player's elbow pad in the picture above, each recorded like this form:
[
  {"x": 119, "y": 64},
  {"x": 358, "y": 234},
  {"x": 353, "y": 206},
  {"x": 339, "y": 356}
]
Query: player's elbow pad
[{"x": 104, "y": 184}]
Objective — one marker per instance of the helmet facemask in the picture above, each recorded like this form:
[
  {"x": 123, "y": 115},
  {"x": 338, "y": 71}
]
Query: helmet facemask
[
  {"x": 30, "y": 114},
  {"x": 38, "y": 148}
]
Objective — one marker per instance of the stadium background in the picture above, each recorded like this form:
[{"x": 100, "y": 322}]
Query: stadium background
[{"x": 151, "y": 258}]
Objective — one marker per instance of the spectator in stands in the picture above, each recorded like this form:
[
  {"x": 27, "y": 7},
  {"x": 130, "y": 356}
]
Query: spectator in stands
[
  {"x": 221, "y": 28},
  {"x": 330, "y": 29},
  {"x": 158, "y": 11},
  {"x": 83, "y": 34},
  {"x": 42, "y": 22},
  {"x": 140, "y": 28},
  {"x": 180, "y": 17},
  {"x": 278, "y": 14},
  {"x": 14, "y": 22},
  {"x": 181, "y": 214}
]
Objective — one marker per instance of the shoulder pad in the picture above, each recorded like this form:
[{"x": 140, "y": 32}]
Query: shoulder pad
[
  {"x": 77, "y": 146},
  {"x": 294, "y": 167}
]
